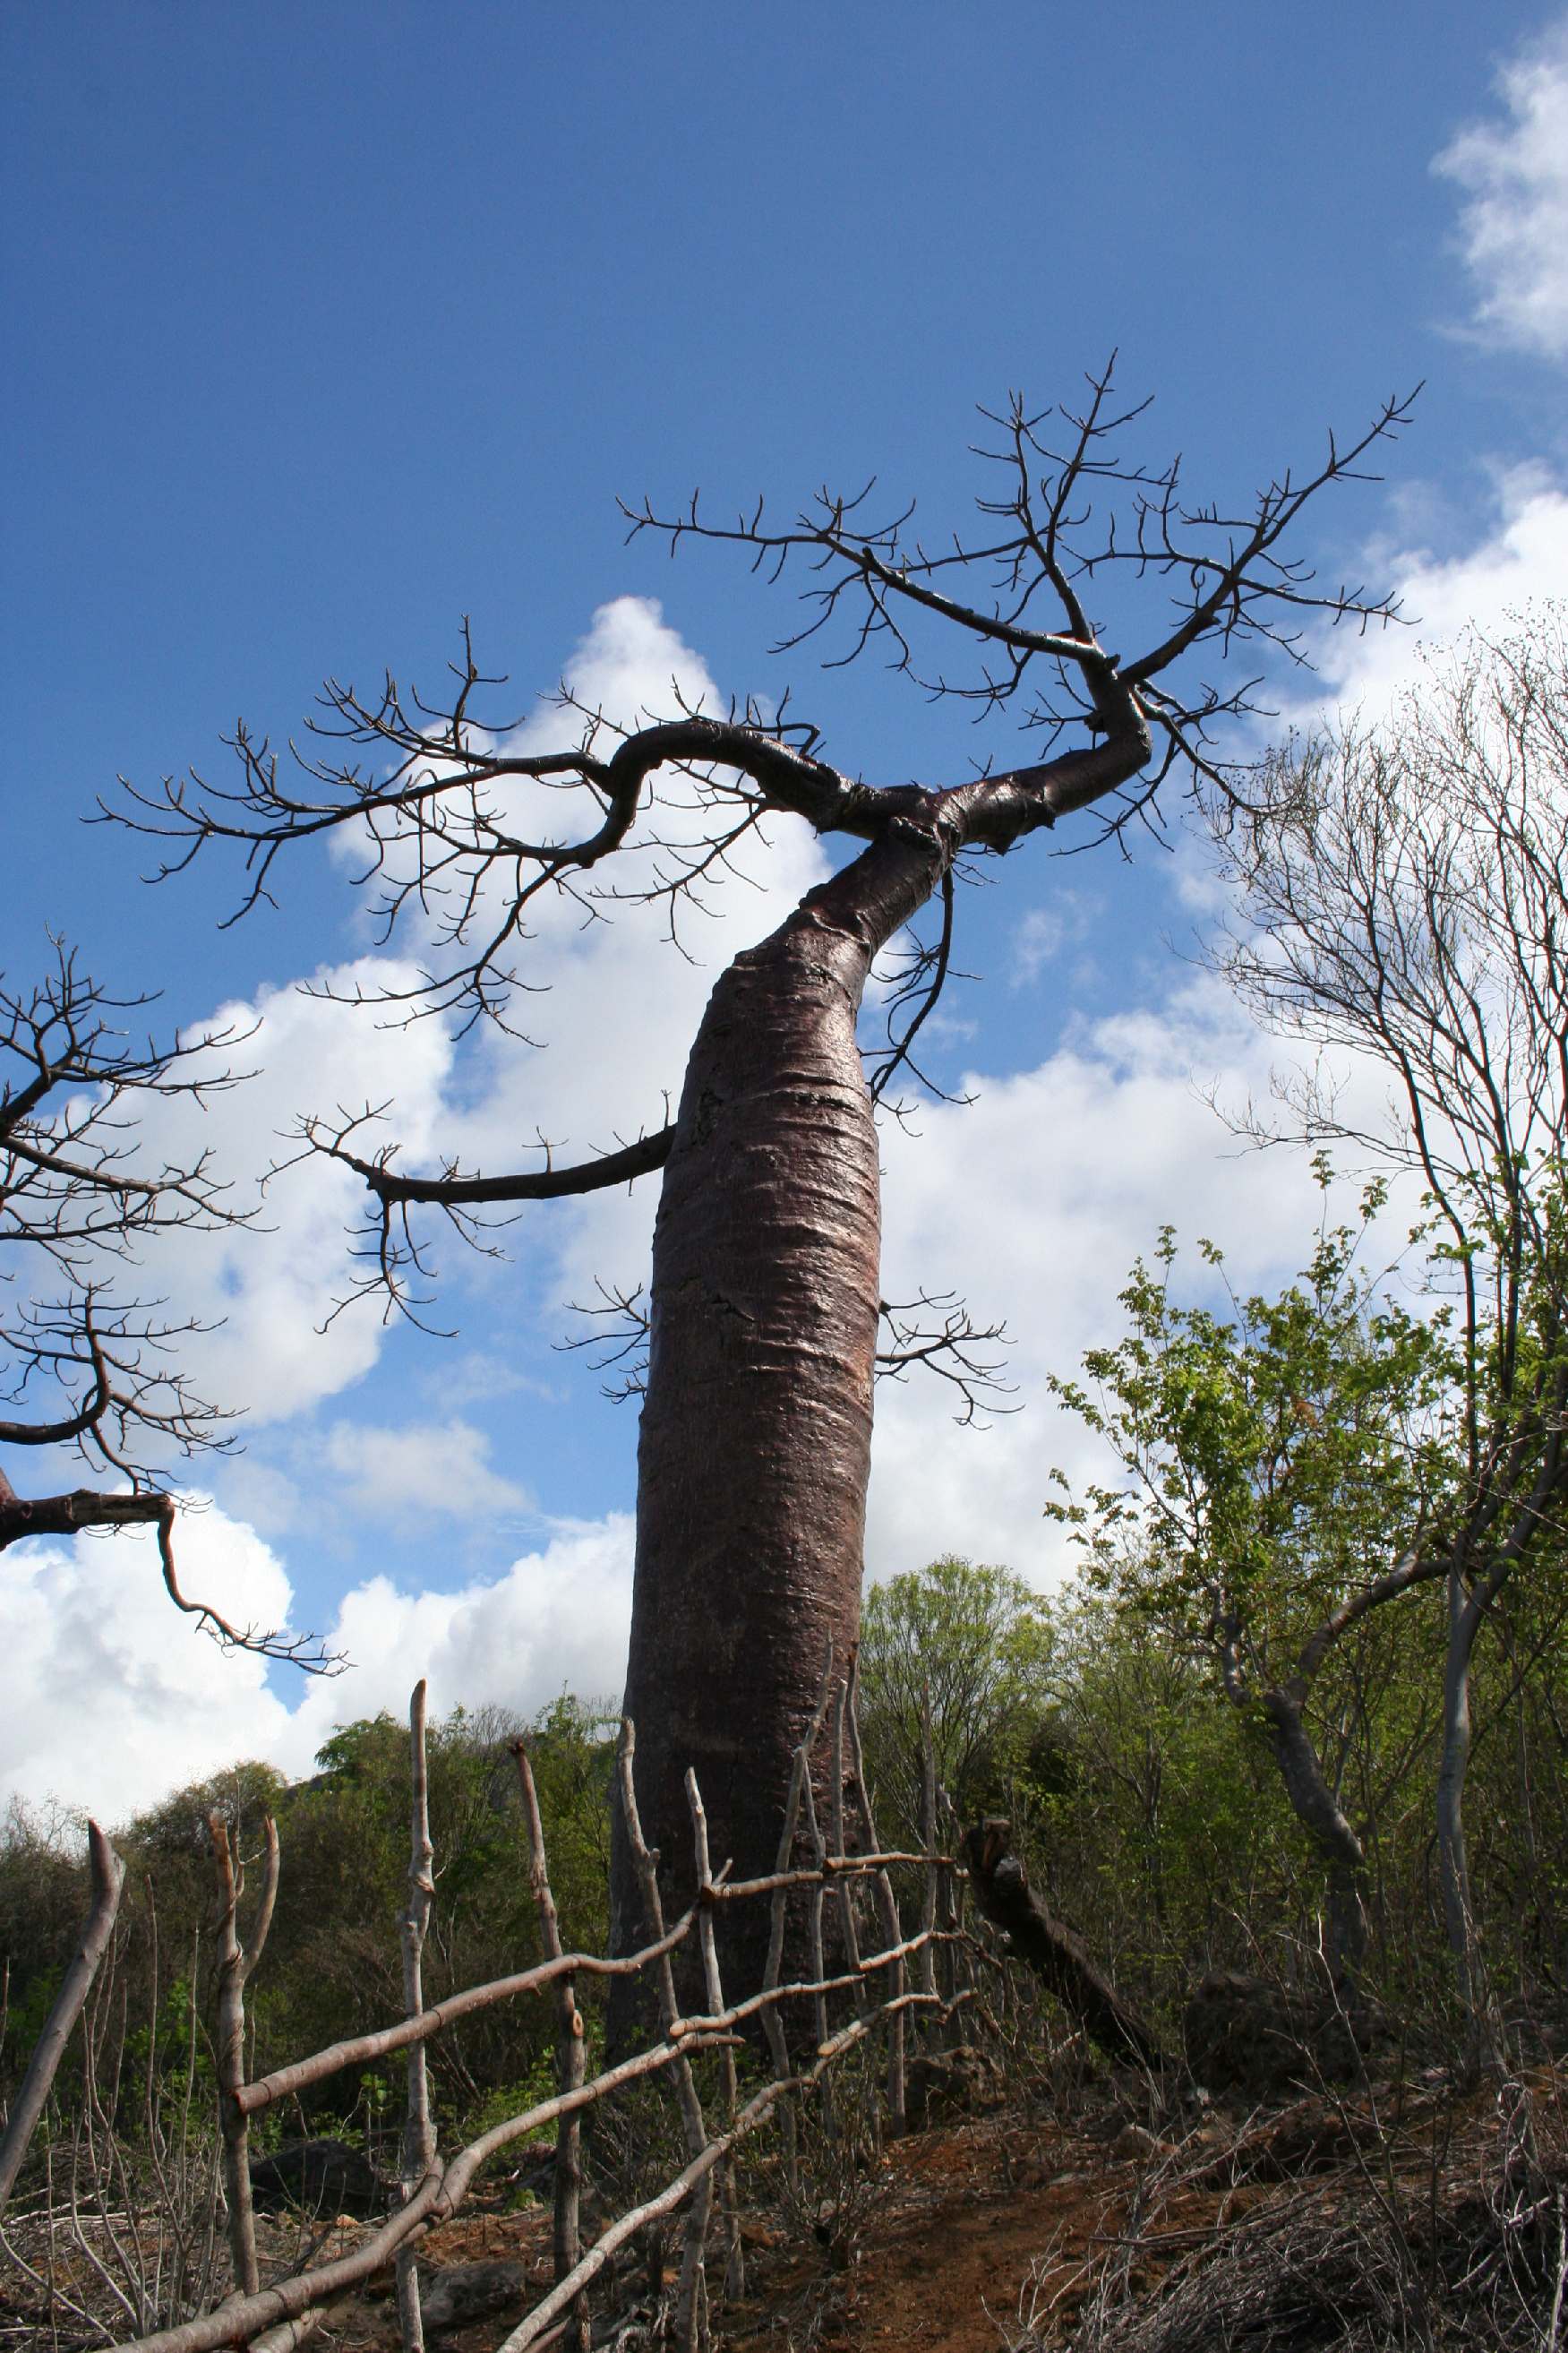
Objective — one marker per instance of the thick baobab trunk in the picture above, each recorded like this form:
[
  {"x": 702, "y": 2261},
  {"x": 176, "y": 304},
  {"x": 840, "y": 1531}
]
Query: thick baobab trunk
[
  {"x": 756, "y": 1430},
  {"x": 1323, "y": 1818}
]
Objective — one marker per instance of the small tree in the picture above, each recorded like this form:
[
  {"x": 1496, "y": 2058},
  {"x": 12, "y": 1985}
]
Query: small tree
[
  {"x": 1286, "y": 1462},
  {"x": 86, "y": 1364},
  {"x": 955, "y": 1657},
  {"x": 1403, "y": 891},
  {"x": 756, "y": 1426}
]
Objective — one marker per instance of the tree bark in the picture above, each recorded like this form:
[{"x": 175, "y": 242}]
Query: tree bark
[
  {"x": 1454, "y": 1763},
  {"x": 1058, "y": 1957},
  {"x": 756, "y": 1430},
  {"x": 68, "y": 1515},
  {"x": 1322, "y": 1818}
]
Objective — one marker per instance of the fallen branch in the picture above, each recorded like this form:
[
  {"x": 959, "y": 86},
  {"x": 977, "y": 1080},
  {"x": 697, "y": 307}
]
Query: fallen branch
[{"x": 1057, "y": 1956}]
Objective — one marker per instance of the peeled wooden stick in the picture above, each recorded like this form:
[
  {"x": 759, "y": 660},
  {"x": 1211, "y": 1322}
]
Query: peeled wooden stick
[
  {"x": 571, "y": 2058},
  {"x": 235, "y": 1966},
  {"x": 419, "y": 2154},
  {"x": 691, "y": 2297},
  {"x": 108, "y": 1878}
]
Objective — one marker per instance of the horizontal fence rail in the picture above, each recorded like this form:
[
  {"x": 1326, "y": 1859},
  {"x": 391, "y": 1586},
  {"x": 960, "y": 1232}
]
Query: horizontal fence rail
[{"x": 929, "y": 1973}]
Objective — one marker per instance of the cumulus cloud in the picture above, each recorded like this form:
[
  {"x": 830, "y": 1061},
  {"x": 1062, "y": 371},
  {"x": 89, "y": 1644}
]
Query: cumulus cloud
[
  {"x": 116, "y": 1700},
  {"x": 1520, "y": 558},
  {"x": 1033, "y": 1203},
  {"x": 438, "y": 1470},
  {"x": 554, "y": 1619},
  {"x": 267, "y": 1287},
  {"x": 1514, "y": 226}
]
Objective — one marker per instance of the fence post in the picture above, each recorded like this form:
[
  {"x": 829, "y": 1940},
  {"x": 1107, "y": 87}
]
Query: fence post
[
  {"x": 418, "y": 2151},
  {"x": 818, "y": 1894},
  {"x": 932, "y": 1871},
  {"x": 892, "y": 1931},
  {"x": 571, "y": 2059},
  {"x": 713, "y": 1988},
  {"x": 692, "y": 2301},
  {"x": 234, "y": 1968},
  {"x": 772, "y": 2025},
  {"x": 961, "y": 1959}
]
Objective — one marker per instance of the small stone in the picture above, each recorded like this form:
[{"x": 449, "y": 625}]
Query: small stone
[{"x": 468, "y": 2292}]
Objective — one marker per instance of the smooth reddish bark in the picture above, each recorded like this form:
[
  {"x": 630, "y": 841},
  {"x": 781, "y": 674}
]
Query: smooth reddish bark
[{"x": 757, "y": 1433}]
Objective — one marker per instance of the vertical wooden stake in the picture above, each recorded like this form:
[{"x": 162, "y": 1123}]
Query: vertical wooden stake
[
  {"x": 892, "y": 1933},
  {"x": 418, "y": 2150},
  {"x": 713, "y": 1988},
  {"x": 234, "y": 1968},
  {"x": 108, "y": 1878},
  {"x": 928, "y": 1839},
  {"x": 691, "y": 2301},
  {"x": 571, "y": 2058},
  {"x": 772, "y": 2025}
]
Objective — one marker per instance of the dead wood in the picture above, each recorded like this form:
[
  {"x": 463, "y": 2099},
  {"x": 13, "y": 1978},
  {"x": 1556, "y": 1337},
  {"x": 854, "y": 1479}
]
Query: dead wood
[{"x": 1058, "y": 1957}]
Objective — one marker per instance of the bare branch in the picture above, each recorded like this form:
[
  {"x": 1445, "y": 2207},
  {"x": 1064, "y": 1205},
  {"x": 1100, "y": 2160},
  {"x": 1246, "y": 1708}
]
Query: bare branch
[{"x": 462, "y": 832}]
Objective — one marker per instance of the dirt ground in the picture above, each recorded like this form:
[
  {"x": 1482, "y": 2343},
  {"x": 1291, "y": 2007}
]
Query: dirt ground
[
  {"x": 960, "y": 2234},
  {"x": 967, "y": 2237},
  {"x": 951, "y": 2230},
  {"x": 975, "y": 2224},
  {"x": 994, "y": 2230}
]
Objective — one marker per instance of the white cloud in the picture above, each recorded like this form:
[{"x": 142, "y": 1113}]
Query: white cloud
[
  {"x": 1033, "y": 1203},
  {"x": 430, "y": 1469},
  {"x": 1513, "y": 232},
  {"x": 1519, "y": 560},
  {"x": 114, "y": 1700},
  {"x": 1045, "y": 932},
  {"x": 554, "y": 1619},
  {"x": 1513, "y": 229},
  {"x": 268, "y": 1286}
]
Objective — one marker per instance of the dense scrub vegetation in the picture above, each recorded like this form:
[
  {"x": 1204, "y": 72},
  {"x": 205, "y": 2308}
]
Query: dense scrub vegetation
[
  {"x": 332, "y": 1966},
  {"x": 1145, "y": 1793}
]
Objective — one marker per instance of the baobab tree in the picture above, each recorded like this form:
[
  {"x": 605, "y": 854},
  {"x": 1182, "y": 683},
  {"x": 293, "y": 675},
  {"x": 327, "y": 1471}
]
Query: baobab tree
[
  {"x": 763, "y": 1307},
  {"x": 87, "y": 1366}
]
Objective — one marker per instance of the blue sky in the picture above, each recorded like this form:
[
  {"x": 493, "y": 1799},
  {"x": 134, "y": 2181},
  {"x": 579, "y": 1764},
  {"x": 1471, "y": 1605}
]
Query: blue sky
[{"x": 334, "y": 324}]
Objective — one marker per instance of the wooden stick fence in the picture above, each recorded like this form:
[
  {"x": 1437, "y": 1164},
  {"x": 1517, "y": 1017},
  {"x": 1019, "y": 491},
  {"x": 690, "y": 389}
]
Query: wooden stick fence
[{"x": 876, "y": 1985}]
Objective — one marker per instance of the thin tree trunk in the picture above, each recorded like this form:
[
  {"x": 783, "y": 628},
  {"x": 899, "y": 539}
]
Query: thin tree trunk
[
  {"x": 418, "y": 2150},
  {"x": 1452, "y": 1859},
  {"x": 1320, "y": 1814},
  {"x": 756, "y": 1430}
]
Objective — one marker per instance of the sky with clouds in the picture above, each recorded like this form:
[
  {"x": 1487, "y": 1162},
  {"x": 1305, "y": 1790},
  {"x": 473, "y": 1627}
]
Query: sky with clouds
[{"x": 339, "y": 327}]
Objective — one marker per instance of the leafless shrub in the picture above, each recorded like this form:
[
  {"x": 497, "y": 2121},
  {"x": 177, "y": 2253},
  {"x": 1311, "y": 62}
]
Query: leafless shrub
[
  {"x": 1442, "y": 2234},
  {"x": 124, "y": 2231}
]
